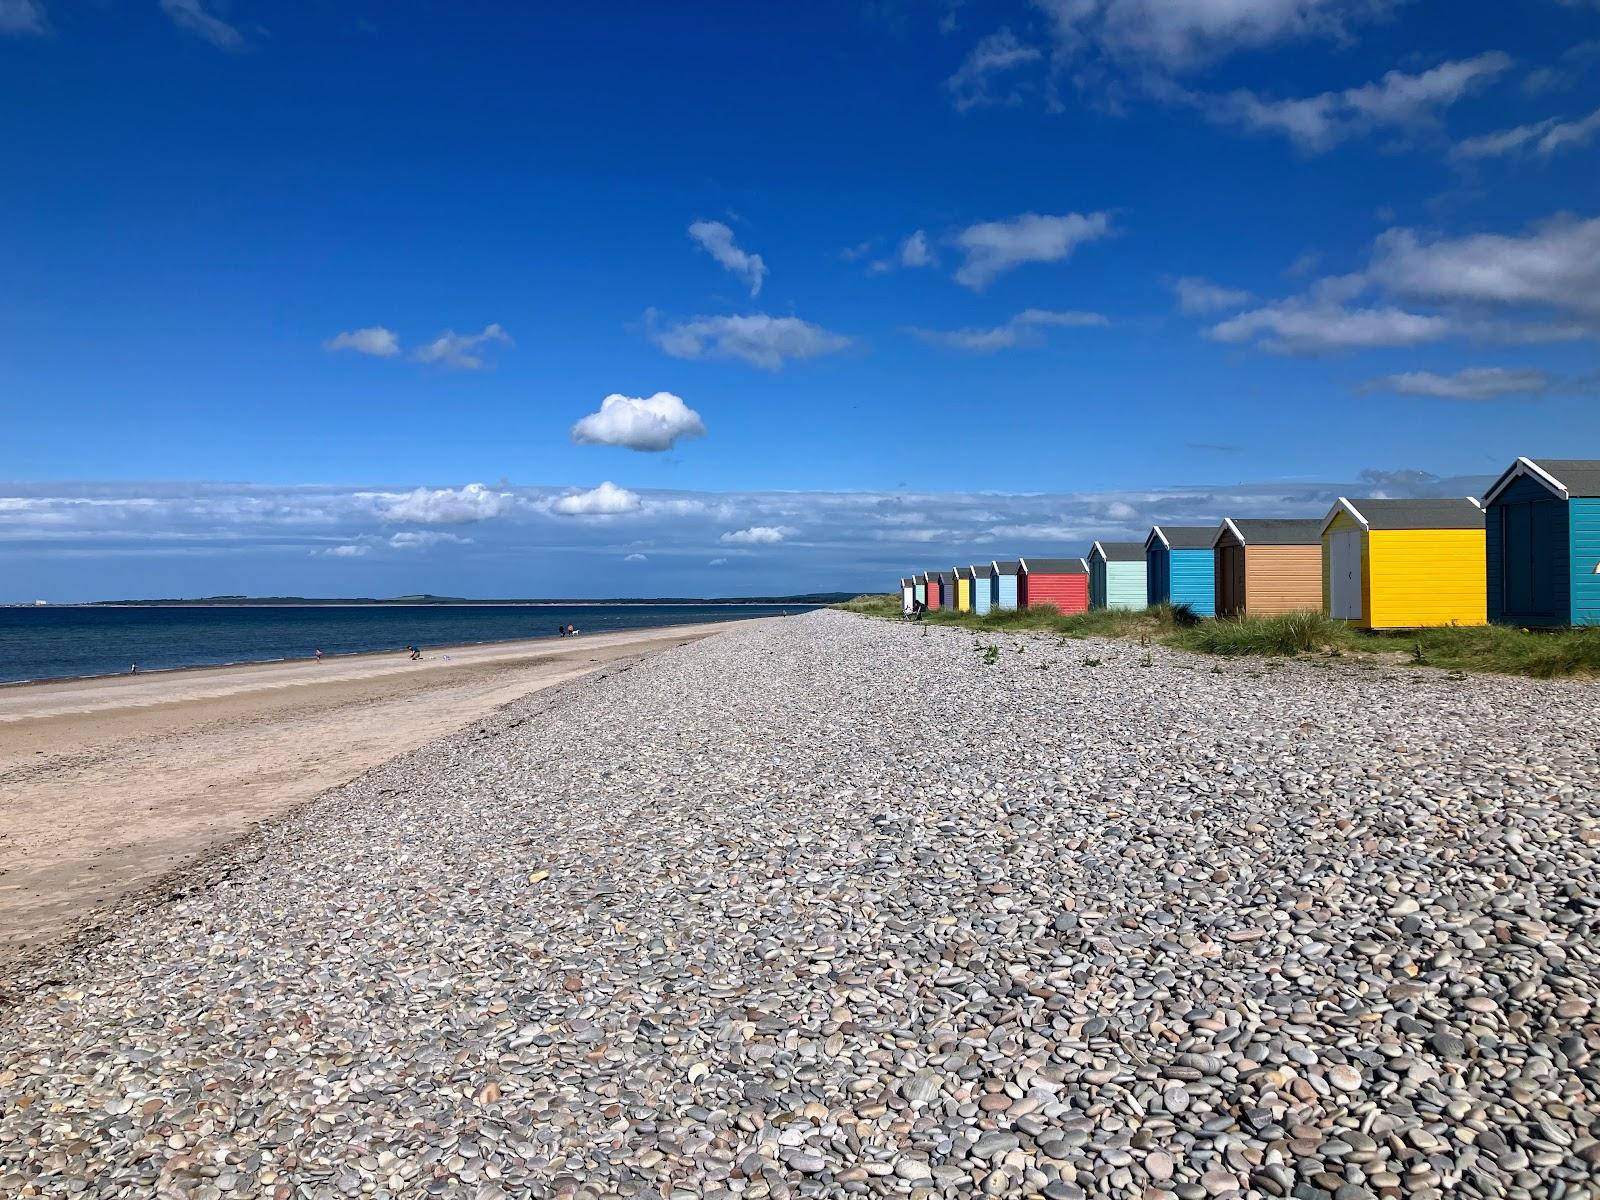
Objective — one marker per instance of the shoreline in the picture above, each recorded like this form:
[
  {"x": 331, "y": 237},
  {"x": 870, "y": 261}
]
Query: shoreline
[
  {"x": 347, "y": 655},
  {"x": 110, "y": 785}
]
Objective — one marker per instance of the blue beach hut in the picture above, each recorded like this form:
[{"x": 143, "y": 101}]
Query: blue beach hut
[
  {"x": 982, "y": 588},
  {"x": 1543, "y": 543},
  {"x": 1005, "y": 584},
  {"x": 1181, "y": 566},
  {"x": 1117, "y": 575}
]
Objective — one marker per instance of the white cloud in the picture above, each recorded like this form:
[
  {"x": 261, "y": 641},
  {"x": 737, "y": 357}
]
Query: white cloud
[
  {"x": 21, "y": 16},
  {"x": 1197, "y": 295},
  {"x": 374, "y": 340},
  {"x": 758, "y": 535},
  {"x": 1398, "y": 100},
  {"x": 445, "y": 506},
  {"x": 994, "y": 247},
  {"x": 424, "y": 539},
  {"x": 461, "y": 350},
  {"x": 716, "y": 239},
  {"x": 1021, "y": 330},
  {"x": 191, "y": 16},
  {"x": 348, "y": 550},
  {"x": 1473, "y": 383},
  {"x": 994, "y": 56},
  {"x": 717, "y": 562},
  {"x": 1293, "y": 327},
  {"x": 1556, "y": 265},
  {"x": 655, "y": 422},
  {"x": 914, "y": 251},
  {"x": 635, "y": 558},
  {"x": 1176, "y": 34},
  {"x": 606, "y": 500},
  {"x": 758, "y": 339},
  {"x": 1543, "y": 137}
]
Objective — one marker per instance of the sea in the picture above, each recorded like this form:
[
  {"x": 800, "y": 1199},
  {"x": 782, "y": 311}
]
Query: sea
[{"x": 66, "y": 642}]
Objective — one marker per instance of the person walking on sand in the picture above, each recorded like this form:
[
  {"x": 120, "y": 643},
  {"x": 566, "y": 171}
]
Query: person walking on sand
[
  {"x": 562, "y": 630},
  {"x": 416, "y": 654},
  {"x": 319, "y": 653}
]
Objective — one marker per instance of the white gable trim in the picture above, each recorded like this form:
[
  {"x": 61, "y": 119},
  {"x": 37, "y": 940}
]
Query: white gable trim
[
  {"x": 1525, "y": 466},
  {"x": 1344, "y": 505},
  {"x": 1155, "y": 532},
  {"x": 1229, "y": 526}
]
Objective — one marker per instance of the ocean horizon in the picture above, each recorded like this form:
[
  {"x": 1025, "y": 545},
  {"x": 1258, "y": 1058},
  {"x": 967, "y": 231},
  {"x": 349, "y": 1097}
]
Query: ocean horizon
[{"x": 60, "y": 641}]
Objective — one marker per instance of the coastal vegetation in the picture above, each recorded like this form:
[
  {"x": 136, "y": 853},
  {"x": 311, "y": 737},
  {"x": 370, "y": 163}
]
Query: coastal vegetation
[{"x": 1542, "y": 654}]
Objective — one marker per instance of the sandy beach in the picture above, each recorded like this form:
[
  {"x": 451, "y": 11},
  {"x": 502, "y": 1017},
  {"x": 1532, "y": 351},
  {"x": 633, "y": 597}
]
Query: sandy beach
[{"x": 109, "y": 785}]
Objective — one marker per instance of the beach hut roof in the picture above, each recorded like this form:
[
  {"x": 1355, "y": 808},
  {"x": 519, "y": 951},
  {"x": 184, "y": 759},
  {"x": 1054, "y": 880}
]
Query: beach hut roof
[
  {"x": 983, "y": 572},
  {"x": 1183, "y": 537},
  {"x": 1568, "y": 478},
  {"x": 963, "y": 572},
  {"x": 1055, "y": 566},
  {"x": 916, "y": 579},
  {"x": 1119, "y": 551},
  {"x": 905, "y": 582},
  {"x": 947, "y": 576},
  {"x": 1448, "y": 513},
  {"x": 1008, "y": 567},
  {"x": 1272, "y": 531}
]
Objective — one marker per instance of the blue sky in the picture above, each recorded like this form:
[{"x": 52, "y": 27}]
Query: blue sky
[{"x": 318, "y": 297}]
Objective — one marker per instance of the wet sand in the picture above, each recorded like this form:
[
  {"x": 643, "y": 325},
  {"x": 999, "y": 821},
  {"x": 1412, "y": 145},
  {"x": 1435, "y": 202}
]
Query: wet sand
[{"x": 108, "y": 786}]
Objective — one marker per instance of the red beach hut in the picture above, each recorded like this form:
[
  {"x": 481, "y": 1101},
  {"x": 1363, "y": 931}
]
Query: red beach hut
[
  {"x": 935, "y": 591},
  {"x": 1063, "y": 582}
]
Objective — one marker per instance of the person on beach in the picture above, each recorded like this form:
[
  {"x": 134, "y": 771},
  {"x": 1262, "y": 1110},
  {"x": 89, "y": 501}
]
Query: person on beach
[
  {"x": 416, "y": 654},
  {"x": 319, "y": 653},
  {"x": 562, "y": 630},
  {"x": 133, "y": 668}
]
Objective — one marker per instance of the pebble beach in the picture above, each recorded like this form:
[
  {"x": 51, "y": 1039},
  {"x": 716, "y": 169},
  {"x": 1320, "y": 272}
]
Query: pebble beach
[{"x": 830, "y": 906}]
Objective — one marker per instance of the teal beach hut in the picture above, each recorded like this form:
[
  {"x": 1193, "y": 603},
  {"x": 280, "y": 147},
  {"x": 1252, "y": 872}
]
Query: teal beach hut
[
  {"x": 1542, "y": 519},
  {"x": 1181, "y": 562},
  {"x": 1117, "y": 575},
  {"x": 919, "y": 589},
  {"x": 1005, "y": 584},
  {"x": 982, "y": 588}
]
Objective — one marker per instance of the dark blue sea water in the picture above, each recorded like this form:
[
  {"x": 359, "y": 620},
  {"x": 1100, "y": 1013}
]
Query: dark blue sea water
[{"x": 56, "y": 643}]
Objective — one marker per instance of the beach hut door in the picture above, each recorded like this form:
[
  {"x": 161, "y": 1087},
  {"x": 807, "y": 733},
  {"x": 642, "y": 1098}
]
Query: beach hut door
[{"x": 1345, "y": 589}]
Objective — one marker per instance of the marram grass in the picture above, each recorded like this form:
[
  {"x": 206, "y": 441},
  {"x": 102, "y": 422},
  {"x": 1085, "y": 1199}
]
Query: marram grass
[{"x": 1543, "y": 654}]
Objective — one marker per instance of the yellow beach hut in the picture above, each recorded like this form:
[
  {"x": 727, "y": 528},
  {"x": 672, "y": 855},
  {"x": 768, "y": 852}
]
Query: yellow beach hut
[
  {"x": 1404, "y": 564},
  {"x": 964, "y": 579}
]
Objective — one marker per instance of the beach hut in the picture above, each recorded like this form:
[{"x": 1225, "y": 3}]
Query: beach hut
[
  {"x": 1267, "y": 567},
  {"x": 919, "y": 589},
  {"x": 1181, "y": 567},
  {"x": 1005, "y": 584},
  {"x": 947, "y": 591},
  {"x": 1063, "y": 582},
  {"x": 1542, "y": 543},
  {"x": 982, "y": 589},
  {"x": 908, "y": 595},
  {"x": 1404, "y": 564},
  {"x": 963, "y": 589},
  {"x": 1117, "y": 575},
  {"x": 935, "y": 591}
]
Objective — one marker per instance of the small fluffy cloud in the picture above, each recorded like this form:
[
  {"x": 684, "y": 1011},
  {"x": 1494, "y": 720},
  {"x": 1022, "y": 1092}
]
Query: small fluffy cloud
[
  {"x": 994, "y": 57},
  {"x": 463, "y": 350},
  {"x": 1398, "y": 100},
  {"x": 635, "y": 558},
  {"x": 993, "y": 247},
  {"x": 1474, "y": 383},
  {"x": 716, "y": 239},
  {"x": 757, "y": 535},
  {"x": 1197, "y": 295},
  {"x": 1024, "y": 329},
  {"x": 1543, "y": 137},
  {"x": 717, "y": 562},
  {"x": 445, "y": 506},
  {"x": 655, "y": 422},
  {"x": 348, "y": 550},
  {"x": 606, "y": 500},
  {"x": 913, "y": 252},
  {"x": 1294, "y": 327},
  {"x": 1178, "y": 36},
  {"x": 191, "y": 16},
  {"x": 423, "y": 539},
  {"x": 1556, "y": 265},
  {"x": 374, "y": 340},
  {"x": 21, "y": 16},
  {"x": 758, "y": 339}
]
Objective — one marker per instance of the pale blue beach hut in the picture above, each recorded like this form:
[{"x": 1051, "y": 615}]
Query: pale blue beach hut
[
  {"x": 982, "y": 588},
  {"x": 1004, "y": 595},
  {"x": 1117, "y": 573}
]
